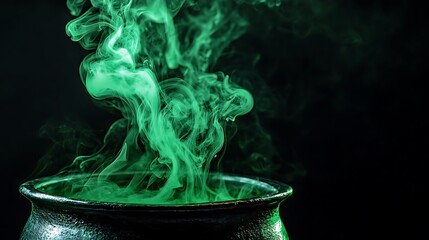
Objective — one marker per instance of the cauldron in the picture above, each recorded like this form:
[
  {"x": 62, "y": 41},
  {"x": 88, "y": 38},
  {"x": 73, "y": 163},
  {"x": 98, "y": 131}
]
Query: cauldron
[{"x": 57, "y": 217}]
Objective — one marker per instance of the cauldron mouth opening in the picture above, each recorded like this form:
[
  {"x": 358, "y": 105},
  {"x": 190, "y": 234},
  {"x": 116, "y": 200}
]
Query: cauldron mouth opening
[{"x": 49, "y": 190}]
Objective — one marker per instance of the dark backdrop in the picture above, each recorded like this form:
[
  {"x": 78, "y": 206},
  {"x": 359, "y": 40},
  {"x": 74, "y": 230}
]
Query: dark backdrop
[{"x": 349, "y": 119}]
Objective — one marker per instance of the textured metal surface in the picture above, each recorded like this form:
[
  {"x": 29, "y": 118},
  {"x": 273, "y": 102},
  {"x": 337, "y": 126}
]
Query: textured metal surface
[{"x": 61, "y": 218}]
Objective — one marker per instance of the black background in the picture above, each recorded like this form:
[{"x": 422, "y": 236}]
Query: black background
[{"x": 350, "y": 124}]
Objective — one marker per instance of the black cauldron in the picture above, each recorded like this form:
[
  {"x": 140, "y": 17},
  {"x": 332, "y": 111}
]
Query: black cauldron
[{"x": 57, "y": 217}]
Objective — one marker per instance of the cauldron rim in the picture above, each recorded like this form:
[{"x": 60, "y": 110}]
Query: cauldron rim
[{"x": 281, "y": 191}]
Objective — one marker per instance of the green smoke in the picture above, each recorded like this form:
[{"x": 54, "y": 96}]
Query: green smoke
[{"x": 153, "y": 63}]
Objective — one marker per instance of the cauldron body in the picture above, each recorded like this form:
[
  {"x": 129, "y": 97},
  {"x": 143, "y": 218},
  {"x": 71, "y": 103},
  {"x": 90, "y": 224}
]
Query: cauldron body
[{"x": 56, "y": 217}]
